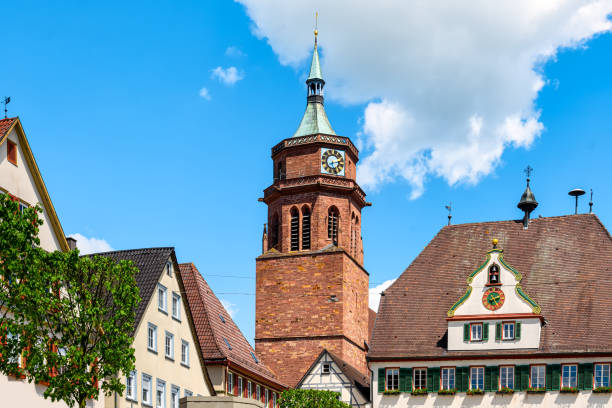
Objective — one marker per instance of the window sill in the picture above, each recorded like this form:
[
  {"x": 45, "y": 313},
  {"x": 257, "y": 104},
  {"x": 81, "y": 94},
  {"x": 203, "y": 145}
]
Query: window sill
[
  {"x": 505, "y": 390},
  {"x": 538, "y": 390},
  {"x": 391, "y": 392},
  {"x": 163, "y": 311},
  {"x": 169, "y": 358},
  {"x": 477, "y": 391},
  {"x": 493, "y": 284},
  {"x": 602, "y": 390},
  {"x": 132, "y": 400},
  {"x": 568, "y": 390},
  {"x": 178, "y": 319},
  {"x": 152, "y": 350},
  {"x": 419, "y": 391},
  {"x": 447, "y": 392},
  {"x": 184, "y": 365}
]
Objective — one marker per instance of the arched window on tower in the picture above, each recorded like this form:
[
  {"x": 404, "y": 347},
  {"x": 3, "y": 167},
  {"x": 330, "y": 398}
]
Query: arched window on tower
[
  {"x": 305, "y": 228},
  {"x": 280, "y": 171},
  {"x": 295, "y": 229},
  {"x": 274, "y": 231},
  {"x": 332, "y": 224},
  {"x": 353, "y": 234}
]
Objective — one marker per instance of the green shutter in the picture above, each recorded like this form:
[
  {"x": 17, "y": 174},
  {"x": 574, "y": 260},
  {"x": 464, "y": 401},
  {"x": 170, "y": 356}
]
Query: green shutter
[
  {"x": 462, "y": 378},
  {"x": 488, "y": 379},
  {"x": 429, "y": 383},
  {"x": 585, "y": 376},
  {"x": 495, "y": 378},
  {"x": 381, "y": 380},
  {"x": 517, "y": 331},
  {"x": 485, "y": 331},
  {"x": 498, "y": 331},
  {"x": 404, "y": 379},
  {"x": 549, "y": 377},
  {"x": 556, "y": 377},
  {"x": 466, "y": 332},
  {"x": 435, "y": 376},
  {"x": 524, "y": 370}
]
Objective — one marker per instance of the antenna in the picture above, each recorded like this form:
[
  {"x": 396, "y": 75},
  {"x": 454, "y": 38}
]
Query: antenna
[
  {"x": 7, "y": 99},
  {"x": 577, "y": 192},
  {"x": 591, "y": 203},
  {"x": 449, "y": 207}
]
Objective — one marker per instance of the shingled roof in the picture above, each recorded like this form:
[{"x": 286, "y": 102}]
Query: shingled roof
[
  {"x": 150, "y": 263},
  {"x": 5, "y": 125},
  {"x": 568, "y": 255},
  {"x": 216, "y": 330}
]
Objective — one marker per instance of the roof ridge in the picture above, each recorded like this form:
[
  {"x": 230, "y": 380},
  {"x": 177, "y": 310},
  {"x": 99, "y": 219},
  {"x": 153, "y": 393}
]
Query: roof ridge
[
  {"x": 131, "y": 250},
  {"x": 517, "y": 220}
]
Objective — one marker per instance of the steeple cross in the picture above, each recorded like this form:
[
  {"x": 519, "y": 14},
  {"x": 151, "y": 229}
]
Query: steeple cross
[{"x": 528, "y": 171}]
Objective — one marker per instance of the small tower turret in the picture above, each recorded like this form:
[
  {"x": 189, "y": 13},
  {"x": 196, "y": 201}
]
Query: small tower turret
[{"x": 528, "y": 201}]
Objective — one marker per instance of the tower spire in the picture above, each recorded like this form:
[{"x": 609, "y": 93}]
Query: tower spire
[
  {"x": 528, "y": 201},
  {"x": 315, "y": 119}
]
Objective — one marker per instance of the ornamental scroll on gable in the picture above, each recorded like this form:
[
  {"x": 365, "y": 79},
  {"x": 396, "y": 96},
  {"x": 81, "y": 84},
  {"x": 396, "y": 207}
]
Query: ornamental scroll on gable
[{"x": 494, "y": 288}]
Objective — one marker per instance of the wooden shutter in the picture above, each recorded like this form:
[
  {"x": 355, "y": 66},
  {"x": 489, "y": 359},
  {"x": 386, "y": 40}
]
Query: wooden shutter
[
  {"x": 555, "y": 382},
  {"x": 548, "y": 380},
  {"x": 495, "y": 378},
  {"x": 488, "y": 379},
  {"x": 466, "y": 332},
  {"x": 585, "y": 376},
  {"x": 404, "y": 379},
  {"x": 429, "y": 383},
  {"x": 517, "y": 330},
  {"x": 485, "y": 331},
  {"x": 524, "y": 377},
  {"x": 435, "y": 379},
  {"x": 381, "y": 379},
  {"x": 462, "y": 380},
  {"x": 498, "y": 331},
  {"x": 11, "y": 152}
]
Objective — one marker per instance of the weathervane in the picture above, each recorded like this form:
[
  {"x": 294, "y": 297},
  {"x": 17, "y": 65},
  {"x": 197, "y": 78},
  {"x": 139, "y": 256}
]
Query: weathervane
[
  {"x": 591, "y": 203},
  {"x": 449, "y": 208},
  {"x": 7, "y": 99}
]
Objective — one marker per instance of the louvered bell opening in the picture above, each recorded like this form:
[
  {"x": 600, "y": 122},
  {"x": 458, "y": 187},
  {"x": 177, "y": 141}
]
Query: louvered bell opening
[
  {"x": 332, "y": 226},
  {"x": 306, "y": 230},
  {"x": 295, "y": 231}
]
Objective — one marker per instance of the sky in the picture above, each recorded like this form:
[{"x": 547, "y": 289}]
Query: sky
[{"x": 152, "y": 122}]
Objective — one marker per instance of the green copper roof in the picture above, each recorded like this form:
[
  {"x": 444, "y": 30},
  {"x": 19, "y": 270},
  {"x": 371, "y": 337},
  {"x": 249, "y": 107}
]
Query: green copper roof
[
  {"x": 315, "y": 67},
  {"x": 314, "y": 121}
]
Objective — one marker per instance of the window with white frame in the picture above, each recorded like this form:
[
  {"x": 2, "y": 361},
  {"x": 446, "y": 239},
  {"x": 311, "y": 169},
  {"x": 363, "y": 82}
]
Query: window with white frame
[
  {"x": 326, "y": 368},
  {"x": 447, "y": 378},
  {"x": 476, "y": 332},
  {"x": 477, "y": 378},
  {"x": 230, "y": 383},
  {"x": 131, "y": 388},
  {"x": 169, "y": 268},
  {"x": 274, "y": 400},
  {"x": 602, "y": 375},
  {"x": 175, "y": 393},
  {"x": 538, "y": 376},
  {"x": 62, "y": 352},
  {"x": 162, "y": 301},
  {"x": 392, "y": 379},
  {"x": 250, "y": 389},
  {"x": 169, "y": 345},
  {"x": 188, "y": 393},
  {"x": 146, "y": 389},
  {"x": 240, "y": 389},
  {"x": 14, "y": 338},
  {"x": 258, "y": 392},
  {"x": 267, "y": 397},
  {"x": 152, "y": 337},
  {"x": 506, "y": 377},
  {"x": 184, "y": 353},
  {"x": 569, "y": 375},
  {"x": 419, "y": 378},
  {"x": 160, "y": 394},
  {"x": 508, "y": 331},
  {"x": 176, "y": 306}
]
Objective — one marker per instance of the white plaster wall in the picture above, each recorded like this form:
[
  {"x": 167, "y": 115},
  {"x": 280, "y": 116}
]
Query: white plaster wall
[
  {"x": 19, "y": 393},
  {"x": 489, "y": 399},
  {"x": 157, "y": 365},
  {"x": 512, "y": 304},
  {"x": 18, "y": 181},
  {"x": 530, "y": 336}
]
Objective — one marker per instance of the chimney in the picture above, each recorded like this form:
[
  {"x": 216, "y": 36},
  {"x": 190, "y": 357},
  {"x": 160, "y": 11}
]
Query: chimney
[{"x": 71, "y": 243}]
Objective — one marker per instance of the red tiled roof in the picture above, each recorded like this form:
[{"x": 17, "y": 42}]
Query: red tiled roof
[
  {"x": 566, "y": 264},
  {"x": 5, "y": 125},
  {"x": 214, "y": 326}
]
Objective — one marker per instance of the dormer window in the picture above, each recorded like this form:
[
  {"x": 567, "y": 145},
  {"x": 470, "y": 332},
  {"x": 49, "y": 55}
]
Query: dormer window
[{"x": 494, "y": 274}]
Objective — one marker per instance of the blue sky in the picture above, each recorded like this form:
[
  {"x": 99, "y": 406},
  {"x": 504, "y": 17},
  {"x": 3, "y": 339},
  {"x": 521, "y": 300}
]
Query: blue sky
[{"x": 110, "y": 99}]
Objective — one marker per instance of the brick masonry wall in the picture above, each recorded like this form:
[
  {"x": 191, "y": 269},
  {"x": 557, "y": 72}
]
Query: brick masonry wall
[
  {"x": 301, "y": 161},
  {"x": 293, "y": 300}
]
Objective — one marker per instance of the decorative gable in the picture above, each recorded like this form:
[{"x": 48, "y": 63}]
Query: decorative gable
[{"x": 495, "y": 312}]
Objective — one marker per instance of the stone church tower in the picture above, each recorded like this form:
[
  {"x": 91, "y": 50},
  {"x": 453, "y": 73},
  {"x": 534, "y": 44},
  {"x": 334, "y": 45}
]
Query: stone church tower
[{"x": 312, "y": 289}]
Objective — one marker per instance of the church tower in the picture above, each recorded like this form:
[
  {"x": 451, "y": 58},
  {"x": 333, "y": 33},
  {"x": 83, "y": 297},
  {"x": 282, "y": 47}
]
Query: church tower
[{"x": 311, "y": 288}]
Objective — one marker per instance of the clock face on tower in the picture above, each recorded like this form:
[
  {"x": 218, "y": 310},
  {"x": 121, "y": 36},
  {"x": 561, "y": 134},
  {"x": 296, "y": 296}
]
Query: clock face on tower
[
  {"x": 493, "y": 298},
  {"x": 332, "y": 162}
]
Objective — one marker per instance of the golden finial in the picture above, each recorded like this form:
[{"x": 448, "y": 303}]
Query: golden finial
[{"x": 495, "y": 241}]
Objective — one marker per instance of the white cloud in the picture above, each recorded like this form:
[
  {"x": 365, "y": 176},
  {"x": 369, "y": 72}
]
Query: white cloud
[
  {"x": 448, "y": 86},
  {"x": 234, "y": 52},
  {"x": 229, "y": 76},
  {"x": 230, "y": 307},
  {"x": 375, "y": 294},
  {"x": 90, "y": 245},
  {"x": 205, "y": 94}
]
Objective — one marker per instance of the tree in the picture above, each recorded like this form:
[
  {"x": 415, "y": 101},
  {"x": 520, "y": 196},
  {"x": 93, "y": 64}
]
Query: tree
[
  {"x": 65, "y": 320},
  {"x": 311, "y": 399}
]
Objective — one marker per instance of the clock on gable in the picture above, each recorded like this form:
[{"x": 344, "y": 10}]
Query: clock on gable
[{"x": 332, "y": 162}]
